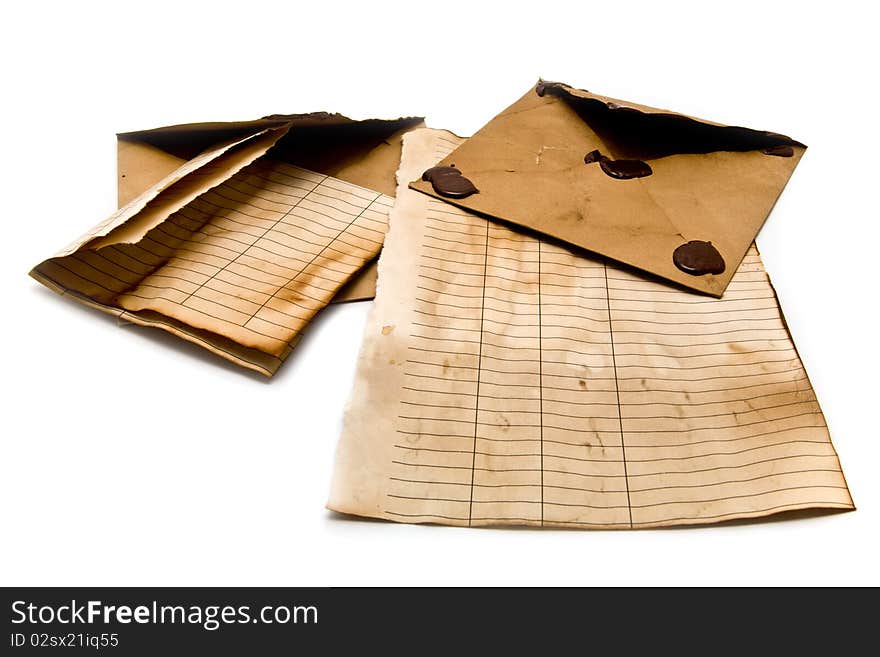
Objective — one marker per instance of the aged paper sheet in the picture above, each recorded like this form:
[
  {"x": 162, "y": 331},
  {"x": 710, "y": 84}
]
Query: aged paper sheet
[
  {"x": 508, "y": 380},
  {"x": 235, "y": 251},
  {"x": 256, "y": 257}
]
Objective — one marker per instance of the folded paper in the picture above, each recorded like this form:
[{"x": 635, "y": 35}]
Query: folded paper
[
  {"x": 625, "y": 181},
  {"x": 238, "y": 246},
  {"x": 144, "y": 157}
]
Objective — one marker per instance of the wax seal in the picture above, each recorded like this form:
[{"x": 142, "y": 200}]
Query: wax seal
[
  {"x": 620, "y": 169},
  {"x": 698, "y": 258},
  {"x": 593, "y": 156},
  {"x": 544, "y": 86},
  {"x": 449, "y": 182},
  {"x": 779, "y": 151}
]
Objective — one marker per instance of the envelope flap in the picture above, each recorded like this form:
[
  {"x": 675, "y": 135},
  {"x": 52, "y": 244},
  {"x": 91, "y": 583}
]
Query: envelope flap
[
  {"x": 187, "y": 140},
  {"x": 698, "y": 181}
]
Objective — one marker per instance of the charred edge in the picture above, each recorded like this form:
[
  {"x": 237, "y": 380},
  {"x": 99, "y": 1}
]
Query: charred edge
[
  {"x": 630, "y": 133},
  {"x": 315, "y": 130},
  {"x": 312, "y": 116}
]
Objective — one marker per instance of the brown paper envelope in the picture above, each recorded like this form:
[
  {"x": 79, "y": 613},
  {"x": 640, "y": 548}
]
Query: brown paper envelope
[
  {"x": 145, "y": 157},
  {"x": 709, "y": 182}
]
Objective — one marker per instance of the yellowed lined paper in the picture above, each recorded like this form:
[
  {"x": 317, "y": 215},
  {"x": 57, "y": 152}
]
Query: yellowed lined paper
[
  {"x": 260, "y": 254},
  {"x": 508, "y": 380},
  {"x": 240, "y": 268}
]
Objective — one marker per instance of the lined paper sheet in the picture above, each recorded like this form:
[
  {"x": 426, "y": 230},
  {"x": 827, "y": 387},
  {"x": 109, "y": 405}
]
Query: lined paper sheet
[
  {"x": 259, "y": 255},
  {"x": 240, "y": 268},
  {"x": 507, "y": 380}
]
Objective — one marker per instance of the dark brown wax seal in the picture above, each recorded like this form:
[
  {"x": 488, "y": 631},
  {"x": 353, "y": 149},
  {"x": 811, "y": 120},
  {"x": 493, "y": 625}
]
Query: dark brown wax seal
[
  {"x": 698, "y": 258},
  {"x": 544, "y": 86},
  {"x": 779, "y": 151},
  {"x": 620, "y": 169},
  {"x": 448, "y": 181},
  {"x": 593, "y": 156},
  {"x": 626, "y": 169}
]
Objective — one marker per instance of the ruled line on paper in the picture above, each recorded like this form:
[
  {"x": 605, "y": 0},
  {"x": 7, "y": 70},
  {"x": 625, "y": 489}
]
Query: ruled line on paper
[
  {"x": 617, "y": 391},
  {"x": 273, "y": 244}
]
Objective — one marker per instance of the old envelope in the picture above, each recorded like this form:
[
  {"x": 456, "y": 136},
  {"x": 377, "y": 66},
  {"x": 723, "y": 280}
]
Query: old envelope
[
  {"x": 257, "y": 228},
  {"x": 144, "y": 157},
  {"x": 624, "y": 180}
]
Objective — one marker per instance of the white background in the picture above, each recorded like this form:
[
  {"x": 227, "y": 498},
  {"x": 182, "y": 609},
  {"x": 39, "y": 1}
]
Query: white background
[{"x": 97, "y": 488}]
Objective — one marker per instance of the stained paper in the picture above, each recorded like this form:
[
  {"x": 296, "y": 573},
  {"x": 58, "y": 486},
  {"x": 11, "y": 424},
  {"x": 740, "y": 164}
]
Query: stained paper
[{"x": 507, "y": 379}]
